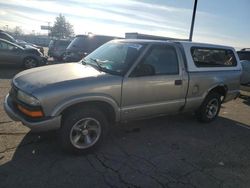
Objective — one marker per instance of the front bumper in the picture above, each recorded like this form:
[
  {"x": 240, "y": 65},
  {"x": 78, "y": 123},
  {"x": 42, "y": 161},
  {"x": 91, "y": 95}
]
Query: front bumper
[{"x": 52, "y": 123}]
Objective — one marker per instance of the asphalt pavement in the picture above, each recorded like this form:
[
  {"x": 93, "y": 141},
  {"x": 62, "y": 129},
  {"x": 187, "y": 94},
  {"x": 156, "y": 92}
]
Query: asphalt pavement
[{"x": 175, "y": 151}]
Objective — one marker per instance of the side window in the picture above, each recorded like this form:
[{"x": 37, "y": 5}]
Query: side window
[
  {"x": 241, "y": 55},
  {"x": 248, "y": 56},
  {"x": 213, "y": 57},
  {"x": 244, "y": 55},
  {"x": 6, "y": 46},
  {"x": 160, "y": 60},
  {"x": 62, "y": 43}
]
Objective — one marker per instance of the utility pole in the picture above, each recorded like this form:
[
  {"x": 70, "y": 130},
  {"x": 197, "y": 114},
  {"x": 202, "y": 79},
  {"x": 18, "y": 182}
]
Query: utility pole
[
  {"x": 193, "y": 19},
  {"x": 48, "y": 29}
]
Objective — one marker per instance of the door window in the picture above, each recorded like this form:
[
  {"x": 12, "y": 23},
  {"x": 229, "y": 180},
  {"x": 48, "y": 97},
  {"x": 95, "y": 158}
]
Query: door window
[
  {"x": 6, "y": 46},
  {"x": 160, "y": 60},
  {"x": 244, "y": 55},
  {"x": 212, "y": 57}
]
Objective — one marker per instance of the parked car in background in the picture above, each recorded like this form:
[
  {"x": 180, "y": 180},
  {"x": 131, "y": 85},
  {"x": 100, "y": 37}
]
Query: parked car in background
[
  {"x": 25, "y": 44},
  {"x": 244, "y": 54},
  {"x": 245, "y": 77},
  {"x": 12, "y": 54},
  {"x": 8, "y": 37},
  {"x": 120, "y": 81},
  {"x": 84, "y": 44},
  {"x": 57, "y": 48}
]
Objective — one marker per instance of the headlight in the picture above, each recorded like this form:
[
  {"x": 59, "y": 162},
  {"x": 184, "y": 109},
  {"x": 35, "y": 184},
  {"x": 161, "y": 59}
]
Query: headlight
[
  {"x": 39, "y": 52},
  {"x": 27, "y": 98}
]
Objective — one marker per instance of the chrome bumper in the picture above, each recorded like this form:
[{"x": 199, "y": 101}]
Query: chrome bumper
[{"x": 37, "y": 126}]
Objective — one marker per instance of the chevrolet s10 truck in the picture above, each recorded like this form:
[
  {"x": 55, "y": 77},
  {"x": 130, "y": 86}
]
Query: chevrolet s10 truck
[{"x": 120, "y": 81}]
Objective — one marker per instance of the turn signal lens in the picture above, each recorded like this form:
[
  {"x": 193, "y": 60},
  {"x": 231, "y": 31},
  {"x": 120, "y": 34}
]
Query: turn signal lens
[{"x": 30, "y": 113}]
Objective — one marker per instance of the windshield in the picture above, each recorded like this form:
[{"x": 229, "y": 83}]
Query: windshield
[
  {"x": 114, "y": 57},
  {"x": 8, "y": 37},
  {"x": 77, "y": 42}
]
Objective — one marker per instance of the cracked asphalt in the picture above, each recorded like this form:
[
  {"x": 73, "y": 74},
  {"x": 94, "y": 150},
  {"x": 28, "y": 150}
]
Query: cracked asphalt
[{"x": 175, "y": 151}]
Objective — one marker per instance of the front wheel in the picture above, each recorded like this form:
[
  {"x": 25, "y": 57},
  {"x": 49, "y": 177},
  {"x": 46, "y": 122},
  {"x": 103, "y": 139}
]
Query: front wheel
[
  {"x": 210, "y": 108},
  {"x": 83, "y": 129},
  {"x": 62, "y": 56},
  {"x": 30, "y": 62}
]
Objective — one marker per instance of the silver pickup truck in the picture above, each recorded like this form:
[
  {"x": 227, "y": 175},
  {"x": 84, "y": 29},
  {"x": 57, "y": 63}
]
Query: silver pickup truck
[{"x": 124, "y": 80}]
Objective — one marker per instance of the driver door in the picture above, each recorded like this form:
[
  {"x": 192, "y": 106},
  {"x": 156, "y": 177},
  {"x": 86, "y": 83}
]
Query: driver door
[
  {"x": 9, "y": 54},
  {"x": 155, "y": 86}
]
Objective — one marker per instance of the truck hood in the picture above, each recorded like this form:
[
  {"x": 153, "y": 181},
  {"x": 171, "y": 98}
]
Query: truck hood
[{"x": 54, "y": 75}]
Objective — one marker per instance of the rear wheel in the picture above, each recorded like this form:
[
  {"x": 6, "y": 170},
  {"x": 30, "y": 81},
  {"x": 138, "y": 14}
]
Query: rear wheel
[
  {"x": 83, "y": 130},
  {"x": 30, "y": 62},
  {"x": 210, "y": 108}
]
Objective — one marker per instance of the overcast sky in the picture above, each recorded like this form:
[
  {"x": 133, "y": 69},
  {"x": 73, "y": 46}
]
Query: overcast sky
[{"x": 218, "y": 21}]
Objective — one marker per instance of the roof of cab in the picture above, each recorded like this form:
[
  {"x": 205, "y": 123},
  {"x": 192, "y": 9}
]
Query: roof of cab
[
  {"x": 142, "y": 41},
  {"x": 198, "y": 44},
  {"x": 183, "y": 43}
]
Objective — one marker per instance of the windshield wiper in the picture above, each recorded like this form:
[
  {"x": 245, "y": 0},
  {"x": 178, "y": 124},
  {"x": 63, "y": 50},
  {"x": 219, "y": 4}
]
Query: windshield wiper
[
  {"x": 104, "y": 69},
  {"x": 97, "y": 63},
  {"x": 84, "y": 62}
]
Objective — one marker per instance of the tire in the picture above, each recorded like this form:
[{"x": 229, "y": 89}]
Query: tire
[
  {"x": 30, "y": 62},
  {"x": 62, "y": 56},
  {"x": 83, "y": 129},
  {"x": 210, "y": 108}
]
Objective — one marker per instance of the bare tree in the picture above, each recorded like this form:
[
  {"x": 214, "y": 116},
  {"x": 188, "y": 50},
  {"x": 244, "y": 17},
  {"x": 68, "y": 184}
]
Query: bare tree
[
  {"x": 17, "y": 31},
  {"x": 61, "y": 28}
]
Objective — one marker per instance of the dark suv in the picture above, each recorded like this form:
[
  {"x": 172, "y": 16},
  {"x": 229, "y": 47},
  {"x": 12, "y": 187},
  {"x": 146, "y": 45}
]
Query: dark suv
[
  {"x": 57, "y": 48},
  {"x": 244, "y": 54},
  {"x": 84, "y": 44}
]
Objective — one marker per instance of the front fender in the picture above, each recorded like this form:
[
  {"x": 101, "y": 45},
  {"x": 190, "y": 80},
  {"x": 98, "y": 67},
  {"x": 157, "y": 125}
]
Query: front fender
[{"x": 59, "y": 108}]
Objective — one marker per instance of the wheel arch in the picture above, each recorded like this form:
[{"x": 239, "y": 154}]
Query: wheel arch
[
  {"x": 29, "y": 56},
  {"x": 221, "y": 88},
  {"x": 108, "y": 106}
]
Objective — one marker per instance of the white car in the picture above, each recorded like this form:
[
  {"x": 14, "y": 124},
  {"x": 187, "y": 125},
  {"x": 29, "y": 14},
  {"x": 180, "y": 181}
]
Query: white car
[{"x": 245, "y": 77}]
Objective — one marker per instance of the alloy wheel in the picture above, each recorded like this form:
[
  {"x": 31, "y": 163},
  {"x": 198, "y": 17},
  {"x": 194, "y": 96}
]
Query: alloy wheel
[{"x": 85, "y": 133}]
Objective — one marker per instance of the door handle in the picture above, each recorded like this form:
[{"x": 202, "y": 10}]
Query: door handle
[{"x": 178, "y": 82}]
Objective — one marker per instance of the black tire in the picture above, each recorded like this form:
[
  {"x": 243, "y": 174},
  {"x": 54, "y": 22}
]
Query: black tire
[
  {"x": 62, "y": 56},
  {"x": 70, "y": 120},
  {"x": 207, "y": 113},
  {"x": 30, "y": 62}
]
